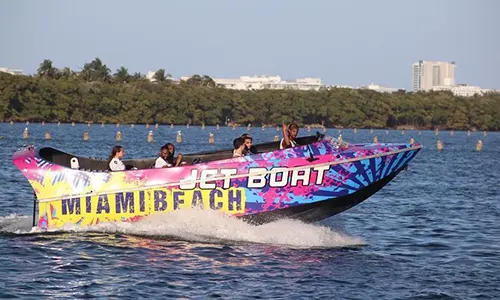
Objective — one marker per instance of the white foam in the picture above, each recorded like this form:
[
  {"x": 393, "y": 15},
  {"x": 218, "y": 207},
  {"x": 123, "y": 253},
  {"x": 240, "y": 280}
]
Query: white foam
[
  {"x": 212, "y": 226},
  {"x": 16, "y": 224}
]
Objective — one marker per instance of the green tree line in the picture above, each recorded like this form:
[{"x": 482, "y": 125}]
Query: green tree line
[{"x": 95, "y": 94}]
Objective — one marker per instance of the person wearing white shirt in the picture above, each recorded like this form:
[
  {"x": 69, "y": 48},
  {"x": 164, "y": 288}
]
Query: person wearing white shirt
[
  {"x": 115, "y": 163},
  {"x": 161, "y": 161}
]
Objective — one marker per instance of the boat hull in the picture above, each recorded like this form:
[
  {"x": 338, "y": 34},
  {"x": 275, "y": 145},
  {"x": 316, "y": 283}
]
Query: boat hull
[
  {"x": 309, "y": 183},
  {"x": 320, "y": 210}
]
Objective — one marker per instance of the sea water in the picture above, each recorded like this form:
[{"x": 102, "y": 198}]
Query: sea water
[{"x": 432, "y": 233}]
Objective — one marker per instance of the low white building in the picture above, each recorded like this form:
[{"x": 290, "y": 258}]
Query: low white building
[
  {"x": 267, "y": 82},
  {"x": 150, "y": 75},
  {"x": 12, "y": 71},
  {"x": 462, "y": 90},
  {"x": 379, "y": 88},
  {"x": 339, "y": 86},
  {"x": 467, "y": 90}
]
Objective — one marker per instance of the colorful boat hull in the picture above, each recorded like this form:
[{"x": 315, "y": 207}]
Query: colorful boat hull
[{"x": 309, "y": 182}]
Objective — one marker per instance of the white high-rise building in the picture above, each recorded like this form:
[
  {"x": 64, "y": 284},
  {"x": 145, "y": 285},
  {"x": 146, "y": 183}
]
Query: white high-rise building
[{"x": 428, "y": 74}]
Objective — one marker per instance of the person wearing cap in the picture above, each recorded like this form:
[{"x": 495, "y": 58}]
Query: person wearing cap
[
  {"x": 290, "y": 133},
  {"x": 248, "y": 143}
]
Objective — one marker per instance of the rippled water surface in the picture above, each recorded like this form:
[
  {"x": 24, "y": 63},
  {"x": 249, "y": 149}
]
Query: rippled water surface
[{"x": 432, "y": 233}]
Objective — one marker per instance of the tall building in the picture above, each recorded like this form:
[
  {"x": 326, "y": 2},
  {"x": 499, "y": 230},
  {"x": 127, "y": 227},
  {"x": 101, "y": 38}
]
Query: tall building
[{"x": 428, "y": 74}]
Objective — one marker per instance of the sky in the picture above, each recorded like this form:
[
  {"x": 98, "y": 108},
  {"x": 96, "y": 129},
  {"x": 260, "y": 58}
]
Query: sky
[{"x": 349, "y": 42}]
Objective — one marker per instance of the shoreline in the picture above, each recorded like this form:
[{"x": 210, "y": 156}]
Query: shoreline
[{"x": 302, "y": 126}]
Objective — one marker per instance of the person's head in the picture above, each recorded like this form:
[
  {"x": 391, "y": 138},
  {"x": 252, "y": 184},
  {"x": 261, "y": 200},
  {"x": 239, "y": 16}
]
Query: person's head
[
  {"x": 239, "y": 143},
  {"x": 164, "y": 152},
  {"x": 293, "y": 130},
  {"x": 171, "y": 148},
  {"x": 117, "y": 152},
  {"x": 248, "y": 140}
]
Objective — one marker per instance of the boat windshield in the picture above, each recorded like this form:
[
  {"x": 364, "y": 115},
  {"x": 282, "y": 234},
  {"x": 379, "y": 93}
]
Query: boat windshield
[{"x": 336, "y": 142}]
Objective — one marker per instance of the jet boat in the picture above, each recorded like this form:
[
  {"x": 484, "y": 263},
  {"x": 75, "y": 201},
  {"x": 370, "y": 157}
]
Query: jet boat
[{"x": 321, "y": 177}]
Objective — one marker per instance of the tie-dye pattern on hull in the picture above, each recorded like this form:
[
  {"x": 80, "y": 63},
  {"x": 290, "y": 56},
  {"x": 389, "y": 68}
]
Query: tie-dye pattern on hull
[{"x": 268, "y": 184}]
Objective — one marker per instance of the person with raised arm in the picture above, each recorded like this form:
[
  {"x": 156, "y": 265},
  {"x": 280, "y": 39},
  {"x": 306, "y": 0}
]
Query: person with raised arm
[{"x": 290, "y": 133}]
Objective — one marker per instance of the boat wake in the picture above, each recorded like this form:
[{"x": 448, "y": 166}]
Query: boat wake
[
  {"x": 14, "y": 224},
  {"x": 206, "y": 226}
]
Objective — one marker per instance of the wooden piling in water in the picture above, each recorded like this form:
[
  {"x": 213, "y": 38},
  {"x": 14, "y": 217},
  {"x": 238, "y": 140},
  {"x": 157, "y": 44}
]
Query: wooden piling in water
[
  {"x": 439, "y": 145},
  {"x": 178, "y": 138},
  {"x": 150, "y": 136},
  {"x": 479, "y": 146}
]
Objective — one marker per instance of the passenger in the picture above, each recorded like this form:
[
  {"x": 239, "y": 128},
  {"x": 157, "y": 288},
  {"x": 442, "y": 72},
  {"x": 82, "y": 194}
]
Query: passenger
[
  {"x": 114, "y": 162},
  {"x": 290, "y": 133},
  {"x": 239, "y": 147},
  {"x": 161, "y": 162},
  {"x": 248, "y": 144},
  {"x": 171, "y": 159}
]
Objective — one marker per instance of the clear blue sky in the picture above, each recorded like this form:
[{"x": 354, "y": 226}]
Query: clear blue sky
[{"x": 352, "y": 42}]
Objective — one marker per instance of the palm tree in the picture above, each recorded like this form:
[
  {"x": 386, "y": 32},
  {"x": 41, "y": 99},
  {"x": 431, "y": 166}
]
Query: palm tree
[
  {"x": 66, "y": 73},
  {"x": 95, "y": 71},
  {"x": 122, "y": 75},
  {"x": 160, "y": 75},
  {"x": 46, "y": 69}
]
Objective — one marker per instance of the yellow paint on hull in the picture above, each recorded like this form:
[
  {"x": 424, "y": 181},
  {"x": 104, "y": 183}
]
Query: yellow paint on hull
[{"x": 130, "y": 206}]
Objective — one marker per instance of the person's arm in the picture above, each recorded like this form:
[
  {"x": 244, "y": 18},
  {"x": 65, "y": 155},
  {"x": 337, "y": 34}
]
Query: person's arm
[
  {"x": 178, "y": 161},
  {"x": 286, "y": 140}
]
